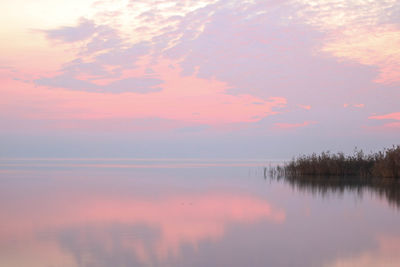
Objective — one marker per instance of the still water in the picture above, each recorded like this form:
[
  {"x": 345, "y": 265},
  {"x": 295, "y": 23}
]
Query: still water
[{"x": 188, "y": 213}]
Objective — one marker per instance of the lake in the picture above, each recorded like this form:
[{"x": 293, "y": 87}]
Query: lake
[{"x": 147, "y": 212}]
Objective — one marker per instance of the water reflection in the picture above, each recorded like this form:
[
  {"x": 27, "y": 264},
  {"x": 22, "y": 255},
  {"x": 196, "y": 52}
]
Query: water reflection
[
  {"x": 386, "y": 254},
  {"x": 80, "y": 226},
  {"x": 388, "y": 190},
  {"x": 208, "y": 216}
]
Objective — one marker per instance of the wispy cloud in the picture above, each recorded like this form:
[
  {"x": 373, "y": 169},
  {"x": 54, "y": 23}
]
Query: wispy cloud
[
  {"x": 361, "y": 31},
  {"x": 69, "y": 34}
]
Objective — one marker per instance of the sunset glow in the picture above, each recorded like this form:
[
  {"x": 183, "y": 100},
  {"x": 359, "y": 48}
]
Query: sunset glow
[
  {"x": 193, "y": 133},
  {"x": 200, "y": 68}
]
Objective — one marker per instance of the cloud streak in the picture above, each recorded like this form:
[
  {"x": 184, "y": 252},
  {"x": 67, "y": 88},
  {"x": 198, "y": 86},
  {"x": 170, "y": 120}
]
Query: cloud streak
[
  {"x": 286, "y": 126},
  {"x": 390, "y": 116},
  {"x": 132, "y": 85}
]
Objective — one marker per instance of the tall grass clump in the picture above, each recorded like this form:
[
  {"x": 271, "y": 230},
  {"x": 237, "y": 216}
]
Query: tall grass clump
[{"x": 384, "y": 164}]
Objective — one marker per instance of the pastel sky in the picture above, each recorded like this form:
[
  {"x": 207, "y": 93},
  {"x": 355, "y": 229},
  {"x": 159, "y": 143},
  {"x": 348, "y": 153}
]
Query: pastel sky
[{"x": 191, "y": 78}]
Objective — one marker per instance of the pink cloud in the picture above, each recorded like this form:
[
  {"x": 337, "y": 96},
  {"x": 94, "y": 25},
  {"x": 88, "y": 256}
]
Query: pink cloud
[
  {"x": 306, "y": 107},
  {"x": 180, "y": 101},
  {"x": 358, "y": 31},
  {"x": 390, "y": 116},
  {"x": 371, "y": 46},
  {"x": 392, "y": 125},
  {"x": 346, "y": 105},
  {"x": 387, "y": 126},
  {"x": 283, "y": 125},
  {"x": 202, "y": 65}
]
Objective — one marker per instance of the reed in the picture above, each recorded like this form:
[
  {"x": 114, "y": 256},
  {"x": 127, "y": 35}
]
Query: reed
[{"x": 383, "y": 164}]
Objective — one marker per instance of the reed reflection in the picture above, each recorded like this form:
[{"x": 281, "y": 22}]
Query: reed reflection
[{"x": 386, "y": 189}]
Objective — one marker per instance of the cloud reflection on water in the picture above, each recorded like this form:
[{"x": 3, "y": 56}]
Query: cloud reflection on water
[{"x": 101, "y": 230}]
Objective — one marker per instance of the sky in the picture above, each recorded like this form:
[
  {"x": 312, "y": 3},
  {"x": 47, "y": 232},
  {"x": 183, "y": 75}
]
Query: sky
[{"x": 198, "y": 79}]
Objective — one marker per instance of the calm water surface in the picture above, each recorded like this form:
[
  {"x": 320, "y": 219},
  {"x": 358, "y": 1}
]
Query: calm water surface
[{"x": 188, "y": 213}]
